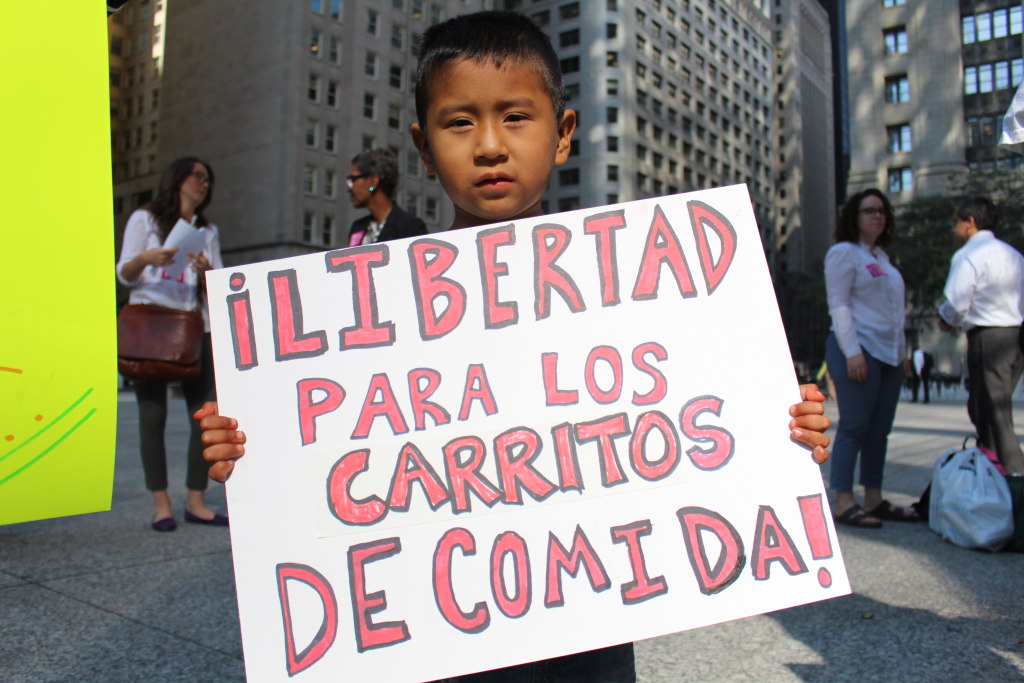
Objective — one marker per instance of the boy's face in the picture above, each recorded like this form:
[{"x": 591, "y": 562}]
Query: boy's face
[{"x": 491, "y": 137}]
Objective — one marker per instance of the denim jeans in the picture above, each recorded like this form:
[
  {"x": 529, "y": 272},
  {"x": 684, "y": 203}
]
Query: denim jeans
[{"x": 866, "y": 413}]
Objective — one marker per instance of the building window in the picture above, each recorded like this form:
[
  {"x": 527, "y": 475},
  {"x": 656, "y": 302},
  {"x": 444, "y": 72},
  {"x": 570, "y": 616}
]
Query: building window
[
  {"x": 395, "y": 76},
  {"x": 568, "y": 203},
  {"x": 541, "y": 18},
  {"x": 370, "y": 64},
  {"x": 331, "y": 139},
  {"x": 308, "y": 224},
  {"x": 900, "y": 179},
  {"x": 613, "y": 173},
  {"x": 613, "y": 143},
  {"x": 326, "y": 230},
  {"x": 893, "y": 3},
  {"x": 436, "y": 14},
  {"x": 611, "y": 58},
  {"x": 897, "y": 89},
  {"x": 330, "y": 183},
  {"x": 430, "y": 209},
  {"x": 369, "y": 105},
  {"x": 334, "y": 50},
  {"x": 397, "y": 37},
  {"x": 570, "y": 65},
  {"x": 895, "y": 40},
  {"x": 899, "y": 138},
  {"x": 417, "y": 9},
  {"x": 314, "y": 42},
  {"x": 612, "y": 86},
  {"x": 412, "y": 163},
  {"x": 313, "y": 88},
  {"x": 569, "y": 38},
  {"x": 969, "y": 30},
  {"x": 372, "y": 22},
  {"x": 394, "y": 116},
  {"x": 311, "y": 129},
  {"x": 332, "y": 94},
  {"x": 569, "y": 176},
  {"x": 309, "y": 179},
  {"x": 335, "y": 9},
  {"x": 569, "y": 11},
  {"x": 611, "y": 31},
  {"x": 612, "y": 114}
]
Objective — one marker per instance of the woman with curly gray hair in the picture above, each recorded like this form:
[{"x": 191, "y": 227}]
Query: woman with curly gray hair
[{"x": 371, "y": 182}]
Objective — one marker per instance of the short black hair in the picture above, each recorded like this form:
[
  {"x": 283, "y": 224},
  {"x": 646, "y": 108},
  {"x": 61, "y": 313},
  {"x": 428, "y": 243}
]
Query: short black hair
[
  {"x": 981, "y": 209},
  {"x": 848, "y": 228},
  {"x": 494, "y": 36},
  {"x": 381, "y": 163}
]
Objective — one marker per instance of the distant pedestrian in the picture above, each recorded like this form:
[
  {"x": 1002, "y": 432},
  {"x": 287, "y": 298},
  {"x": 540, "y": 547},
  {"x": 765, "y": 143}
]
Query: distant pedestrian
[
  {"x": 185, "y": 191},
  {"x": 865, "y": 354},
  {"x": 922, "y": 361},
  {"x": 372, "y": 180},
  {"x": 984, "y": 296}
]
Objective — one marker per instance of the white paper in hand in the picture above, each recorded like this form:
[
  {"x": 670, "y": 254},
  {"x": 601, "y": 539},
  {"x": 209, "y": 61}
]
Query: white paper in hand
[{"x": 187, "y": 239}]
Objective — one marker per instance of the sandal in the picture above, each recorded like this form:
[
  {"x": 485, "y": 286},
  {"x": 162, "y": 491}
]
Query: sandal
[
  {"x": 856, "y": 516},
  {"x": 894, "y": 513}
]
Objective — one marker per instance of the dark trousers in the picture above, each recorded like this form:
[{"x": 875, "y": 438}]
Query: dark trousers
[
  {"x": 152, "y": 402},
  {"x": 607, "y": 665},
  {"x": 921, "y": 380},
  {"x": 994, "y": 367},
  {"x": 866, "y": 413}
]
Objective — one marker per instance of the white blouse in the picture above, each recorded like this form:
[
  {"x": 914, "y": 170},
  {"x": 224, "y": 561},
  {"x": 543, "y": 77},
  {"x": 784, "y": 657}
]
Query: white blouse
[
  {"x": 154, "y": 285},
  {"x": 866, "y": 301}
]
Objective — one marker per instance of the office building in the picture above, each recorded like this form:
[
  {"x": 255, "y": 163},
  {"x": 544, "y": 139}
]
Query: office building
[
  {"x": 929, "y": 82},
  {"x": 804, "y": 135},
  {"x": 279, "y": 96}
]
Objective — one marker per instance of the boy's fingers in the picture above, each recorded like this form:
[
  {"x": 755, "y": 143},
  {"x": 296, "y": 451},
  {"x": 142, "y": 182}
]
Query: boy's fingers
[
  {"x": 811, "y": 392},
  {"x": 221, "y": 450},
  {"x": 817, "y": 423},
  {"x": 208, "y": 408},
  {"x": 217, "y": 422},
  {"x": 220, "y": 471},
  {"x": 807, "y": 408},
  {"x": 810, "y": 437},
  {"x": 819, "y": 454}
]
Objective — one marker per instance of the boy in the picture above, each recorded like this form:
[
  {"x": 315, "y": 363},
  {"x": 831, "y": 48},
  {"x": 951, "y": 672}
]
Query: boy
[{"x": 492, "y": 126}]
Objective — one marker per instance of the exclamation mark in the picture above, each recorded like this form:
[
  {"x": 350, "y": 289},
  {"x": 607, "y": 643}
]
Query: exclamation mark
[{"x": 813, "y": 512}]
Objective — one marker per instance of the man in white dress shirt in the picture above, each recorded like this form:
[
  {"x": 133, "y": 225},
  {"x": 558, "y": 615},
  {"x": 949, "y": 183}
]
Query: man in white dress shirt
[{"x": 985, "y": 297}]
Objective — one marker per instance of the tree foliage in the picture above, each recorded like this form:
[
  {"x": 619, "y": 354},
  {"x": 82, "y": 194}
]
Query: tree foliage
[{"x": 924, "y": 242}]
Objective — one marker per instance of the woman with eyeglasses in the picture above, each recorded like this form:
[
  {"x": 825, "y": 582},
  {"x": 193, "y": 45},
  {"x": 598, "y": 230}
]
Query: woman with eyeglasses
[
  {"x": 865, "y": 353},
  {"x": 371, "y": 182},
  {"x": 185, "y": 190}
]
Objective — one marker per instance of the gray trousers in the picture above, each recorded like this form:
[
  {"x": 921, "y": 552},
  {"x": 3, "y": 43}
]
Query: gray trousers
[{"x": 994, "y": 366}]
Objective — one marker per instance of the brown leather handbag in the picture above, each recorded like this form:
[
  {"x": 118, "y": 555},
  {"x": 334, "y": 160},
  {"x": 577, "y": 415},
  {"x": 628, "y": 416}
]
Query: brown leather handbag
[{"x": 159, "y": 344}]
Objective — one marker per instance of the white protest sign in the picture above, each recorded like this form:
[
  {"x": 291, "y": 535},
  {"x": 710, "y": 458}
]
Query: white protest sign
[{"x": 497, "y": 445}]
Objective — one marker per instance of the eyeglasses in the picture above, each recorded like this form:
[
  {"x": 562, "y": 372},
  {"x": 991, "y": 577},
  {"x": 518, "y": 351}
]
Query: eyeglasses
[
  {"x": 200, "y": 177},
  {"x": 352, "y": 178},
  {"x": 872, "y": 211}
]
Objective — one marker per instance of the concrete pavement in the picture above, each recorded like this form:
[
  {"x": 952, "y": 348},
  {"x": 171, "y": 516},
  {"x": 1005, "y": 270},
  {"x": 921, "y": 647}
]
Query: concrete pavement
[{"x": 101, "y": 597}]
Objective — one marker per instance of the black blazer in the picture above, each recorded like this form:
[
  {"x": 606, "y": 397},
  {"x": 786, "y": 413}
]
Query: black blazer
[{"x": 399, "y": 224}]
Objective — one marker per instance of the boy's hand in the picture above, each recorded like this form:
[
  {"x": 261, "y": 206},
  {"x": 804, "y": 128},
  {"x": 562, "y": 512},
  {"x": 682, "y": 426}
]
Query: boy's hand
[
  {"x": 222, "y": 439},
  {"x": 809, "y": 422}
]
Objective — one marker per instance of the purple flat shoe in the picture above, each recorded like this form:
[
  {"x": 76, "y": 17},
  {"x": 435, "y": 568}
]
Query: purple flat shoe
[
  {"x": 218, "y": 519},
  {"x": 165, "y": 524}
]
